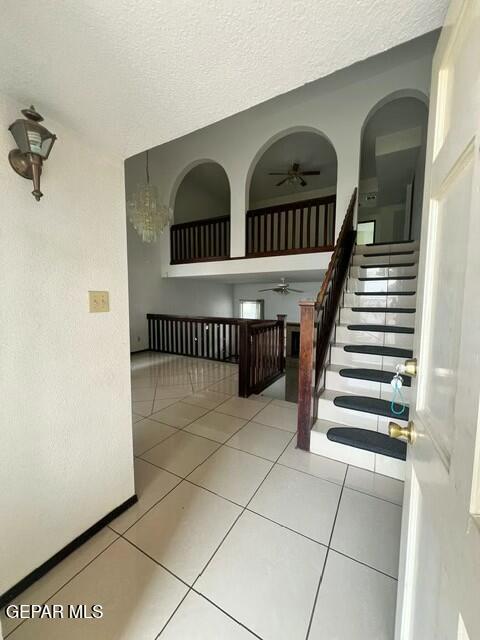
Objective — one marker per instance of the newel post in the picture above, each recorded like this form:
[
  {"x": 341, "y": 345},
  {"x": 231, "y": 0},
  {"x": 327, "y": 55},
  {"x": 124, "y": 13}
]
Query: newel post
[
  {"x": 244, "y": 359},
  {"x": 305, "y": 373},
  {"x": 281, "y": 317}
]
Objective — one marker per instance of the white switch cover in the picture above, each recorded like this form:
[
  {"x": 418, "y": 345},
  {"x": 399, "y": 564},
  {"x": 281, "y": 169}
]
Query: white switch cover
[{"x": 99, "y": 301}]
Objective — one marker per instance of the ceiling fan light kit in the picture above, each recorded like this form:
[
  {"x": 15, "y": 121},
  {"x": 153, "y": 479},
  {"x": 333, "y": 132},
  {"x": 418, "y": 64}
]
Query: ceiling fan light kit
[
  {"x": 294, "y": 175},
  {"x": 283, "y": 288}
]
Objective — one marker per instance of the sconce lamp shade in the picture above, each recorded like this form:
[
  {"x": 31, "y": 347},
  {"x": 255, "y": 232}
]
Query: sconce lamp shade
[
  {"x": 34, "y": 144},
  {"x": 32, "y": 137}
]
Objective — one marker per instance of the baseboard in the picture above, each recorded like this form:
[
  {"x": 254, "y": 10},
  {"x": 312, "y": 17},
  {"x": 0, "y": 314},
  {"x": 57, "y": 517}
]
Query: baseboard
[
  {"x": 40, "y": 571},
  {"x": 139, "y": 351}
]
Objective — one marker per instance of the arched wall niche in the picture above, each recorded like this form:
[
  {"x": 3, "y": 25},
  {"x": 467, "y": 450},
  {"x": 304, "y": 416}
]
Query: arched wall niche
[
  {"x": 306, "y": 146},
  {"x": 391, "y": 168},
  {"x": 200, "y": 191}
]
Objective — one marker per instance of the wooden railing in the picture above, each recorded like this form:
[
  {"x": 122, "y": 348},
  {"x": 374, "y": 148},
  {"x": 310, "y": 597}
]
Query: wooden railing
[
  {"x": 256, "y": 345},
  {"x": 200, "y": 241},
  {"x": 317, "y": 320},
  {"x": 262, "y": 354},
  {"x": 296, "y": 227},
  {"x": 198, "y": 337}
]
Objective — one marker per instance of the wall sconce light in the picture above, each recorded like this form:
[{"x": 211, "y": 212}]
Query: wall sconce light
[{"x": 34, "y": 144}]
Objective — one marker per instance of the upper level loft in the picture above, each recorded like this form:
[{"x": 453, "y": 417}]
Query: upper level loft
[
  {"x": 265, "y": 191},
  {"x": 291, "y": 204}
]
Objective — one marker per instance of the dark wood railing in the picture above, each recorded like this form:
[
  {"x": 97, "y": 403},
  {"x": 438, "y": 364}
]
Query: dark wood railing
[
  {"x": 262, "y": 354},
  {"x": 317, "y": 320},
  {"x": 198, "y": 337},
  {"x": 296, "y": 227},
  {"x": 200, "y": 241},
  {"x": 256, "y": 345}
]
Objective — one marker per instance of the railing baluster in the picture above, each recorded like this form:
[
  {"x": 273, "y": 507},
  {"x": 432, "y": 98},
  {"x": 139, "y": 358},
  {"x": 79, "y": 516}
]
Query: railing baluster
[
  {"x": 321, "y": 314},
  {"x": 309, "y": 224}
]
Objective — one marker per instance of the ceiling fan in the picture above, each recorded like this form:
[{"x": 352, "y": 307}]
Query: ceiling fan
[
  {"x": 283, "y": 288},
  {"x": 294, "y": 175}
]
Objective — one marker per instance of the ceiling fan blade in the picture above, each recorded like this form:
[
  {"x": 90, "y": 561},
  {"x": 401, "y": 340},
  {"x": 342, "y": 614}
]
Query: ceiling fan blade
[
  {"x": 261, "y": 290},
  {"x": 297, "y": 290},
  {"x": 281, "y": 182},
  {"x": 302, "y": 181},
  {"x": 309, "y": 173},
  {"x": 277, "y": 173}
]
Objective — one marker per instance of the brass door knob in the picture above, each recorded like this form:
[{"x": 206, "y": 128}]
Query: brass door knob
[
  {"x": 407, "y": 433},
  {"x": 410, "y": 367}
]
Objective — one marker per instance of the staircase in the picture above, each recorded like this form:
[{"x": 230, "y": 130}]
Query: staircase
[{"x": 373, "y": 333}]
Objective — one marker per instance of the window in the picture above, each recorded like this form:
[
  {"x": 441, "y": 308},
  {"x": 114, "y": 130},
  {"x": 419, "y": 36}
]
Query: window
[
  {"x": 251, "y": 309},
  {"x": 366, "y": 232}
]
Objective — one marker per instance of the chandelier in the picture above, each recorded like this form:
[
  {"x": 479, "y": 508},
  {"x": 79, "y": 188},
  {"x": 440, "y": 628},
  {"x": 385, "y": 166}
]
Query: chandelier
[{"x": 149, "y": 217}]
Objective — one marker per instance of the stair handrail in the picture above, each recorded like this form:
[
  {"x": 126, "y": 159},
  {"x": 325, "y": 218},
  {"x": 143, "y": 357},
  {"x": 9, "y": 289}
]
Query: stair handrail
[{"x": 317, "y": 319}]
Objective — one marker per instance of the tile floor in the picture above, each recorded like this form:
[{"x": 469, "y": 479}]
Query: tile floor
[{"x": 236, "y": 533}]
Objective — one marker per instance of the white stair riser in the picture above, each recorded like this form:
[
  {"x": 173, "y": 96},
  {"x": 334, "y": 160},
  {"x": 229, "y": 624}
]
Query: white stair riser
[
  {"x": 322, "y": 446},
  {"x": 390, "y": 301},
  {"x": 382, "y": 272},
  {"x": 347, "y": 316},
  {"x": 341, "y": 357},
  {"x": 367, "y": 259},
  {"x": 348, "y": 336},
  {"x": 365, "y": 249},
  {"x": 336, "y": 382},
  {"x": 390, "y": 286},
  {"x": 327, "y": 410},
  {"x": 390, "y": 467}
]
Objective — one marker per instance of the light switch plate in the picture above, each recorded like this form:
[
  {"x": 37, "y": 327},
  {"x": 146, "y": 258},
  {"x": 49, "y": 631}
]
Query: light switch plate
[{"x": 99, "y": 301}]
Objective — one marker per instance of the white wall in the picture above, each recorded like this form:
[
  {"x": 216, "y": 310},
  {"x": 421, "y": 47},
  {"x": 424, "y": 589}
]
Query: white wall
[
  {"x": 150, "y": 293},
  {"x": 274, "y": 302},
  {"x": 337, "y": 106},
  {"x": 294, "y": 197},
  {"x": 66, "y": 436},
  {"x": 389, "y": 221}
]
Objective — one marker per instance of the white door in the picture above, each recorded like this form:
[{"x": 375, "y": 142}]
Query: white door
[{"x": 439, "y": 584}]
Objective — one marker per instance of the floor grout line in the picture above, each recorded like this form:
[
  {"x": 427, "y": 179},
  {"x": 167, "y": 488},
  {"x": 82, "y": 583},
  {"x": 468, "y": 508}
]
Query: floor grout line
[
  {"x": 243, "y": 508},
  {"x": 326, "y": 558},
  {"x": 239, "y": 516},
  {"x": 68, "y": 581}
]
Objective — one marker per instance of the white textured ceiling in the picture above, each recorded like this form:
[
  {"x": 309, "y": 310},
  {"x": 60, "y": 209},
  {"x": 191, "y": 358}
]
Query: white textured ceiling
[{"x": 132, "y": 75}]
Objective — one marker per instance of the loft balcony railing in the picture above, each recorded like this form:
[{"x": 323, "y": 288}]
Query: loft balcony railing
[
  {"x": 200, "y": 241},
  {"x": 297, "y": 227},
  {"x": 305, "y": 226}
]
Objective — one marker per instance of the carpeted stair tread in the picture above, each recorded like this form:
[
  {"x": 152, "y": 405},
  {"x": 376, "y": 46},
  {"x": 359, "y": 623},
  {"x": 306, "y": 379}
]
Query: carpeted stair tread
[
  {"x": 384, "y": 309},
  {"x": 393, "y": 253},
  {"x": 387, "y": 266},
  {"x": 378, "y": 350},
  {"x": 384, "y": 293},
  {"x": 388, "y": 278},
  {"x": 380, "y": 327},
  {"x": 365, "y": 404},
  {"x": 373, "y": 375},
  {"x": 383, "y": 244},
  {"x": 369, "y": 441}
]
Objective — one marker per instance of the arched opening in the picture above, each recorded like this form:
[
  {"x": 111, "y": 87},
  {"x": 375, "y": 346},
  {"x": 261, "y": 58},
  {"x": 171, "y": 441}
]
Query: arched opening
[
  {"x": 203, "y": 192},
  {"x": 392, "y": 164},
  {"x": 292, "y": 194},
  {"x": 201, "y": 214}
]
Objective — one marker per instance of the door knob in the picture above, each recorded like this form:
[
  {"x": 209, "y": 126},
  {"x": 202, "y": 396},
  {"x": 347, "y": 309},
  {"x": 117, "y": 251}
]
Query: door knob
[
  {"x": 408, "y": 433},
  {"x": 410, "y": 367}
]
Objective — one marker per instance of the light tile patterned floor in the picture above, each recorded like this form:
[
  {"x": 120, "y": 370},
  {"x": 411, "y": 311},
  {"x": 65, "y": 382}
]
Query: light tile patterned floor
[{"x": 236, "y": 534}]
